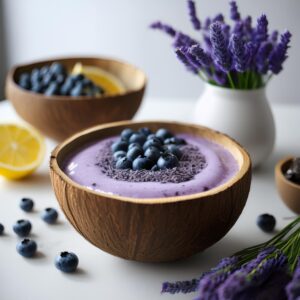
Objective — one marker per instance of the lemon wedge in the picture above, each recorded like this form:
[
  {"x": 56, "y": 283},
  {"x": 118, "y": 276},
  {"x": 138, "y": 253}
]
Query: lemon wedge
[
  {"x": 22, "y": 150},
  {"x": 110, "y": 83}
]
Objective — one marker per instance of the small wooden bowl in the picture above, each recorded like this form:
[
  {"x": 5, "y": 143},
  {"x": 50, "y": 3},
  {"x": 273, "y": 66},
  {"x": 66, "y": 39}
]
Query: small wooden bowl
[
  {"x": 61, "y": 116},
  {"x": 151, "y": 230},
  {"x": 288, "y": 191}
]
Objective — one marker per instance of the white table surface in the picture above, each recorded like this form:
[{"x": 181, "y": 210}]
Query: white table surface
[{"x": 102, "y": 276}]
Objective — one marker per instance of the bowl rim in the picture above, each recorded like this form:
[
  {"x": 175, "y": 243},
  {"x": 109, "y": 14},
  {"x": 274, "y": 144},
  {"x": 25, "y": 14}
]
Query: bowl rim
[
  {"x": 12, "y": 71},
  {"x": 244, "y": 168},
  {"x": 279, "y": 173}
]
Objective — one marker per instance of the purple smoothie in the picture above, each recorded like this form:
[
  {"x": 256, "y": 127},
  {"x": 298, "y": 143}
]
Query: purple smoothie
[{"x": 220, "y": 167}]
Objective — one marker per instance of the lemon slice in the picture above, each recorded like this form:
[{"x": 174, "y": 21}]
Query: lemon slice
[
  {"x": 22, "y": 150},
  {"x": 110, "y": 83}
]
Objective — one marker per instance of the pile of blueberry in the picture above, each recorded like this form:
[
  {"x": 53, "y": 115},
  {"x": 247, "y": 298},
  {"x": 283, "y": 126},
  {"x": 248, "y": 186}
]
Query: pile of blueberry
[
  {"x": 293, "y": 172},
  {"x": 65, "y": 261},
  {"x": 145, "y": 150},
  {"x": 54, "y": 80}
]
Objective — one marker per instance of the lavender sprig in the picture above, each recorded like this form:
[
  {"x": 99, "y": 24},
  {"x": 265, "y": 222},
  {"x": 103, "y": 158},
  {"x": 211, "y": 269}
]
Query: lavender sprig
[
  {"x": 200, "y": 55},
  {"x": 180, "y": 286},
  {"x": 220, "y": 47},
  {"x": 261, "y": 33},
  {"x": 239, "y": 53},
  {"x": 293, "y": 288},
  {"x": 180, "y": 52},
  {"x": 262, "y": 57},
  {"x": 234, "y": 13},
  {"x": 164, "y": 27},
  {"x": 193, "y": 15},
  {"x": 279, "y": 53}
]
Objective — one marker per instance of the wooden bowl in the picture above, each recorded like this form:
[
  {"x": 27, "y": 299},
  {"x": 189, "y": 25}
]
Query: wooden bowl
[
  {"x": 61, "y": 116},
  {"x": 151, "y": 230},
  {"x": 288, "y": 191}
]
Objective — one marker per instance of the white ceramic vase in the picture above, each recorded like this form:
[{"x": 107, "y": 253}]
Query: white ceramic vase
[{"x": 245, "y": 115}]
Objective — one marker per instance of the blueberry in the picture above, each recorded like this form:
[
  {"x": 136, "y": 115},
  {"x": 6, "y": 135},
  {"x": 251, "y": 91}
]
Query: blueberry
[
  {"x": 24, "y": 77},
  {"x": 26, "y": 204},
  {"x": 152, "y": 153},
  {"x": 66, "y": 262},
  {"x": 155, "y": 142},
  {"x": 137, "y": 138},
  {"x": 134, "y": 145},
  {"x": 24, "y": 81},
  {"x": 78, "y": 77},
  {"x": 145, "y": 131},
  {"x": 119, "y": 154},
  {"x": 167, "y": 161},
  {"x": 77, "y": 90},
  {"x": 155, "y": 168},
  {"x": 22, "y": 228},
  {"x": 47, "y": 79},
  {"x": 1, "y": 229},
  {"x": 119, "y": 145},
  {"x": 123, "y": 163},
  {"x": 65, "y": 89},
  {"x": 37, "y": 87},
  {"x": 174, "y": 140},
  {"x": 44, "y": 70},
  {"x": 134, "y": 152},
  {"x": 142, "y": 163},
  {"x": 163, "y": 133},
  {"x": 87, "y": 82},
  {"x": 174, "y": 150},
  {"x": 35, "y": 76},
  {"x": 151, "y": 136},
  {"x": 50, "y": 215},
  {"x": 60, "y": 78},
  {"x": 126, "y": 134},
  {"x": 27, "y": 248},
  {"x": 53, "y": 89},
  {"x": 57, "y": 68},
  {"x": 266, "y": 222}
]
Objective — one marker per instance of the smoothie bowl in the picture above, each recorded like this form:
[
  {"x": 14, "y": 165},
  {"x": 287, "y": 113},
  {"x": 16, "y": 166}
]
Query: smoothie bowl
[{"x": 151, "y": 191}]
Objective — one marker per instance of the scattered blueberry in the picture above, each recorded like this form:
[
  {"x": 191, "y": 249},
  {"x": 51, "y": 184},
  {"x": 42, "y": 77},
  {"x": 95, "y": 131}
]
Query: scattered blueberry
[
  {"x": 145, "y": 131},
  {"x": 1, "y": 229},
  {"x": 67, "y": 262},
  {"x": 163, "y": 133},
  {"x": 266, "y": 222},
  {"x": 174, "y": 150},
  {"x": 142, "y": 163},
  {"x": 155, "y": 142},
  {"x": 26, "y": 204},
  {"x": 27, "y": 248},
  {"x": 137, "y": 138},
  {"x": 119, "y": 145},
  {"x": 123, "y": 163},
  {"x": 167, "y": 161},
  {"x": 50, "y": 215},
  {"x": 133, "y": 153},
  {"x": 119, "y": 154},
  {"x": 22, "y": 228},
  {"x": 152, "y": 153},
  {"x": 126, "y": 134}
]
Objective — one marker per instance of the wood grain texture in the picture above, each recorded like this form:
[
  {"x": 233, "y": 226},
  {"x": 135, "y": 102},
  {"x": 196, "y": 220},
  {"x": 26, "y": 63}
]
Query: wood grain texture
[
  {"x": 151, "y": 230},
  {"x": 61, "y": 116},
  {"x": 288, "y": 191}
]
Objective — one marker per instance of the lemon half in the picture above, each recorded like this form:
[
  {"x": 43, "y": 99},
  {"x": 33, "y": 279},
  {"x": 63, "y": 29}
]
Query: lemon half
[
  {"x": 22, "y": 150},
  {"x": 109, "y": 82}
]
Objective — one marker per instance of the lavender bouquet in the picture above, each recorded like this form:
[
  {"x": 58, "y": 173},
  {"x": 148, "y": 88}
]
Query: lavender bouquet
[
  {"x": 237, "y": 56},
  {"x": 269, "y": 270}
]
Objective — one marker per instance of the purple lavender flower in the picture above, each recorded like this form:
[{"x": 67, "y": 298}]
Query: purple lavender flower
[
  {"x": 246, "y": 278},
  {"x": 239, "y": 53},
  {"x": 218, "y": 18},
  {"x": 180, "y": 52},
  {"x": 234, "y": 13},
  {"x": 262, "y": 57},
  {"x": 183, "y": 40},
  {"x": 293, "y": 288},
  {"x": 193, "y": 15},
  {"x": 274, "y": 36},
  {"x": 163, "y": 27},
  {"x": 211, "y": 280},
  {"x": 220, "y": 47},
  {"x": 238, "y": 28},
  {"x": 200, "y": 55},
  {"x": 180, "y": 287},
  {"x": 279, "y": 53},
  {"x": 261, "y": 32},
  {"x": 248, "y": 26}
]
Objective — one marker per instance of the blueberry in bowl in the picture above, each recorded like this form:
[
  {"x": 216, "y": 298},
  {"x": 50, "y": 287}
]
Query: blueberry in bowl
[
  {"x": 145, "y": 208},
  {"x": 63, "y": 96}
]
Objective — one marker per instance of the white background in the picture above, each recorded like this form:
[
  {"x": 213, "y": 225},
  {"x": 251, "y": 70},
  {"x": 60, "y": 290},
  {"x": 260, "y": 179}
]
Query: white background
[{"x": 119, "y": 28}]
